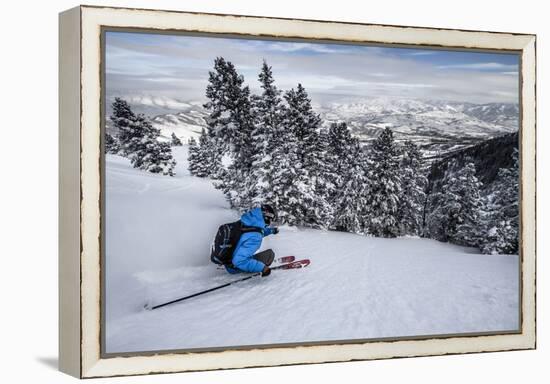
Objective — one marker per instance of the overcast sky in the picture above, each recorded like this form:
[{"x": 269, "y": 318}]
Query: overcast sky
[{"x": 177, "y": 67}]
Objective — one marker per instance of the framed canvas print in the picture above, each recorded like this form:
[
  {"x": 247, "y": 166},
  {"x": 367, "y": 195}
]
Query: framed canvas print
[{"x": 242, "y": 191}]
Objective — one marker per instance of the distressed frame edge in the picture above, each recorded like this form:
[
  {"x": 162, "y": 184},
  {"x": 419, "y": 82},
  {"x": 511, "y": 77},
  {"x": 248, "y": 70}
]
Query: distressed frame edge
[
  {"x": 94, "y": 366},
  {"x": 197, "y": 13},
  {"x": 69, "y": 339},
  {"x": 528, "y": 199}
]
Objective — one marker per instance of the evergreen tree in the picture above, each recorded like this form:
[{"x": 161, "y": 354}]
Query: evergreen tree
[
  {"x": 148, "y": 153},
  {"x": 468, "y": 216},
  {"x": 288, "y": 189},
  {"x": 301, "y": 119},
  {"x": 456, "y": 209},
  {"x": 204, "y": 159},
  {"x": 304, "y": 124},
  {"x": 268, "y": 110},
  {"x": 138, "y": 140},
  {"x": 267, "y": 135},
  {"x": 341, "y": 144},
  {"x": 502, "y": 213},
  {"x": 230, "y": 125},
  {"x": 384, "y": 187},
  {"x": 210, "y": 156},
  {"x": 111, "y": 144},
  {"x": 175, "y": 141},
  {"x": 155, "y": 157},
  {"x": 437, "y": 220},
  {"x": 230, "y": 118},
  {"x": 323, "y": 171},
  {"x": 351, "y": 198},
  {"x": 342, "y": 149},
  {"x": 125, "y": 122},
  {"x": 193, "y": 158},
  {"x": 413, "y": 194}
]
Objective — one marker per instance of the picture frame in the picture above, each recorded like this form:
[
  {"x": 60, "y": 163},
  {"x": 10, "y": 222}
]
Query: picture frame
[{"x": 81, "y": 210}]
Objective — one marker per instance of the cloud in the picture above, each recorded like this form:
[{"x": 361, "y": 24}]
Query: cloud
[
  {"x": 177, "y": 66},
  {"x": 422, "y": 53},
  {"x": 304, "y": 47},
  {"x": 479, "y": 66}
]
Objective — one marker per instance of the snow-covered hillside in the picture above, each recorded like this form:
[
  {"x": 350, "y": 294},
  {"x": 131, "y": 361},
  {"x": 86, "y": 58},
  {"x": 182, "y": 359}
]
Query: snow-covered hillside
[
  {"x": 184, "y": 125},
  {"x": 158, "y": 234},
  {"x": 185, "y": 119}
]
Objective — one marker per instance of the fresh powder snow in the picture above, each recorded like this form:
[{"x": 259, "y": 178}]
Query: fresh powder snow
[{"x": 158, "y": 235}]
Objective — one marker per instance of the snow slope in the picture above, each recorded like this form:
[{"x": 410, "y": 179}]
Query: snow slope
[{"x": 158, "y": 233}]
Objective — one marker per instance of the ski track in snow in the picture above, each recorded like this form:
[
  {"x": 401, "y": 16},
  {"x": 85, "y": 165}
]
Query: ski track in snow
[{"x": 158, "y": 234}]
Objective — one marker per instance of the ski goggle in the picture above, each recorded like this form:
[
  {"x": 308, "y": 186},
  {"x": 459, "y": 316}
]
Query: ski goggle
[{"x": 269, "y": 216}]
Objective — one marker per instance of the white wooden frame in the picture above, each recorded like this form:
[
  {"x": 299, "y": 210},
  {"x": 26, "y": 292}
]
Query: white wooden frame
[{"x": 80, "y": 190}]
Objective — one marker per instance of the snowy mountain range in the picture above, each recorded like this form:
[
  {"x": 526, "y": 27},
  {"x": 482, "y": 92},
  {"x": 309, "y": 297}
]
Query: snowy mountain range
[
  {"x": 436, "y": 126},
  {"x": 415, "y": 117}
]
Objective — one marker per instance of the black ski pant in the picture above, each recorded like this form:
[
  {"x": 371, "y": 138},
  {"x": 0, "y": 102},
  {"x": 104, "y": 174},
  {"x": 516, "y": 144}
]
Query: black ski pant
[{"x": 265, "y": 257}]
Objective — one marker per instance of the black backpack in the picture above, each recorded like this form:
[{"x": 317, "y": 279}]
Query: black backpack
[{"x": 226, "y": 240}]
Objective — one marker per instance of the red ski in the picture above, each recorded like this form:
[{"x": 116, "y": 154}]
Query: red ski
[
  {"x": 294, "y": 264},
  {"x": 279, "y": 261},
  {"x": 284, "y": 259}
]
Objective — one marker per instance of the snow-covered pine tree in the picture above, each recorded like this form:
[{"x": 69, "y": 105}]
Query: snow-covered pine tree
[
  {"x": 240, "y": 170},
  {"x": 324, "y": 185},
  {"x": 437, "y": 218},
  {"x": 211, "y": 156},
  {"x": 138, "y": 140},
  {"x": 125, "y": 123},
  {"x": 352, "y": 193},
  {"x": 384, "y": 186},
  {"x": 413, "y": 194},
  {"x": 111, "y": 144},
  {"x": 502, "y": 213},
  {"x": 341, "y": 151},
  {"x": 267, "y": 107},
  {"x": 157, "y": 159},
  {"x": 203, "y": 158},
  {"x": 175, "y": 141},
  {"x": 194, "y": 160},
  {"x": 230, "y": 125},
  {"x": 455, "y": 211},
  {"x": 502, "y": 238},
  {"x": 267, "y": 135},
  {"x": 304, "y": 124},
  {"x": 288, "y": 189},
  {"x": 469, "y": 226},
  {"x": 148, "y": 153},
  {"x": 230, "y": 118},
  {"x": 218, "y": 120}
]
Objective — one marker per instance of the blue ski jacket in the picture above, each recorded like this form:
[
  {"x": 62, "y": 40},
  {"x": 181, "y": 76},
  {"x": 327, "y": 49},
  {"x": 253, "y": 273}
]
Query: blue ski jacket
[{"x": 249, "y": 243}]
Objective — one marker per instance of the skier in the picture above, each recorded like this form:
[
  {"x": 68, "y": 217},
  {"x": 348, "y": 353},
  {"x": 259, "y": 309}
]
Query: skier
[{"x": 245, "y": 258}]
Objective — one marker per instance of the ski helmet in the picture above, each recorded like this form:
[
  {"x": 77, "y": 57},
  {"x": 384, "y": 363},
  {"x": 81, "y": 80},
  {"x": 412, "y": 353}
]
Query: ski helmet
[{"x": 269, "y": 213}]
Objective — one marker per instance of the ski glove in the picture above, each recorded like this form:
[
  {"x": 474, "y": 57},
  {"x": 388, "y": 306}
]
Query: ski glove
[
  {"x": 266, "y": 271},
  {"x": 275, "y": 230}
]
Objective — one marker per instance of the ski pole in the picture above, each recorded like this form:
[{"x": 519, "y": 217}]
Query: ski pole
[
  {"x": 206, "y": 291},
  {"x": 220, "y": 286}
]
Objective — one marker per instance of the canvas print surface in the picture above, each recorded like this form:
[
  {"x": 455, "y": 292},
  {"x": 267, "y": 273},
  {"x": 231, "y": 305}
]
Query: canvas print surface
[{"x": 369, "y": 192}]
